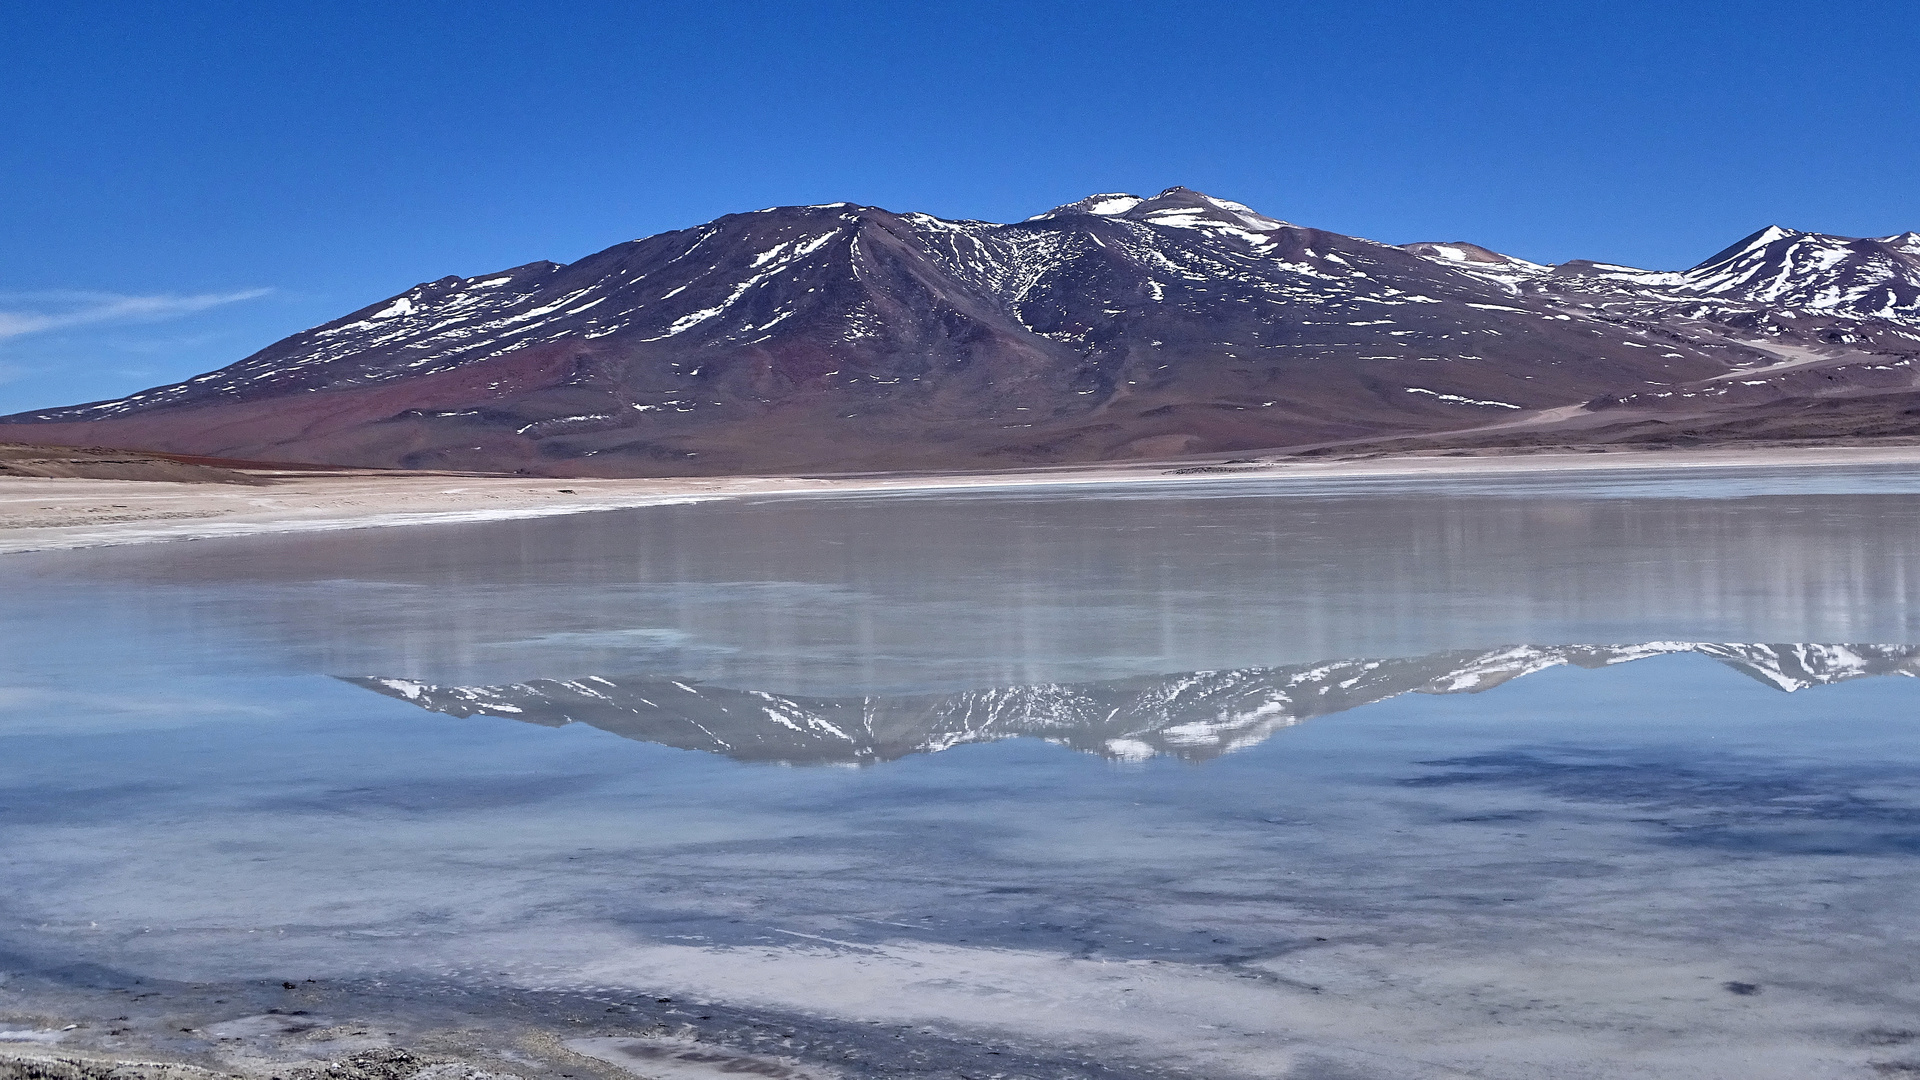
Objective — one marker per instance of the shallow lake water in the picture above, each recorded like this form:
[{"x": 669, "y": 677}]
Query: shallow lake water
[{"x": 1517, "y": 777}]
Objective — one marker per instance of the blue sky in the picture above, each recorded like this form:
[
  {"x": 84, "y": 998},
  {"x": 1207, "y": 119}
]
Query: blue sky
[{"x": 187, "y": 182}]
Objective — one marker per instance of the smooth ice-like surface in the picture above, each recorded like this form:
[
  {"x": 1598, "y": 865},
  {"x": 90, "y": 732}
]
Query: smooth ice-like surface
[{"x": 1469, "y": 850}]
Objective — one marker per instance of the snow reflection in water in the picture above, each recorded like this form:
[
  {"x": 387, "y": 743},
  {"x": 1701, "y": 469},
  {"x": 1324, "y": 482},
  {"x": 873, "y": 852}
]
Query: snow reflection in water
[{"x": 1195, "y": 715}]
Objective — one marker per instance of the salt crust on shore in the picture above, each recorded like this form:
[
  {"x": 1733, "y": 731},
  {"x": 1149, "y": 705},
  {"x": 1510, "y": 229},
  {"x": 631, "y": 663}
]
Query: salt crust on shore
[{"x": 38, "y": 514}]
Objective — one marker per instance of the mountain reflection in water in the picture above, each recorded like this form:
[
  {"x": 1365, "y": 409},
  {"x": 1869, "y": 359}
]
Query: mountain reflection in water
[{"x": 1195, "y": 715}]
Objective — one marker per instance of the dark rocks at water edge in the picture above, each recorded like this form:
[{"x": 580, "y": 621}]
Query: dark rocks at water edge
[{"x": 843, "y": 337}]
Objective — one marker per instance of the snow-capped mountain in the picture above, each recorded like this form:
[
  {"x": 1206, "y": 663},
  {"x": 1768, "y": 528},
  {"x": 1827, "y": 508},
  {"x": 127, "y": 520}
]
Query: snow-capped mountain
[
  {"x": 850, "y": 337},
  {"x": 1767, "y": 281},
  {"x": 843, "y": 336},
  {"x": 1822, "y": 336},
  {"x": 1195, "y": 715},
  {"x": 1868, "y": 279}
]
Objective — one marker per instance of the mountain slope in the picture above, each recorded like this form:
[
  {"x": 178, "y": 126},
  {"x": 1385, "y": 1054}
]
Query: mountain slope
[
  {"x": 1822, "y": 332},
  {"x": 844, "y": 337}
]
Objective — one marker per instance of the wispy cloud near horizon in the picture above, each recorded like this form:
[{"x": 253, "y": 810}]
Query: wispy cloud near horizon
[{"x": 38, "y": 312}]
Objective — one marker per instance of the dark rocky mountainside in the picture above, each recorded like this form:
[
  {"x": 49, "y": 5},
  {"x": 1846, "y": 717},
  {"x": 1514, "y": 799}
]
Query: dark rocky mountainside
[{"x": 844, "y": 337}]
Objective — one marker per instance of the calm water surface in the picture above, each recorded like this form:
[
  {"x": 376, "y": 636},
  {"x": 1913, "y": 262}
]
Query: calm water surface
[{"x": 1604, "y": 777}]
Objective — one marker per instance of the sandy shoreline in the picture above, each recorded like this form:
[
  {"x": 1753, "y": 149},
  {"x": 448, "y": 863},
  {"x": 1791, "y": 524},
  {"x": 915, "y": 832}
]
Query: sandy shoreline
[{"x": 39, "y": 513}]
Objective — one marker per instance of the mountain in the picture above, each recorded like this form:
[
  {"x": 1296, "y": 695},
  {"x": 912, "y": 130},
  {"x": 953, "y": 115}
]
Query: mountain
[
  {"x": 1195, "y": 715},
  {"x": 1773, "y": 281},
  {"x": 844, "y": 337},
  {"x": 1836, "y": 320}
]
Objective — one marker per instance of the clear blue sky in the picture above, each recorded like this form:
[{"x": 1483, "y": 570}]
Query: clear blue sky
[{"x": 184, "y": 182}]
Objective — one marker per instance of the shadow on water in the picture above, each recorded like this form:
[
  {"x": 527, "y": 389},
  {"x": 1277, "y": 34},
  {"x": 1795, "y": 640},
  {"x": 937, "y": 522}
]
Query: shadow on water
[{"x": 1724, "y": 803}]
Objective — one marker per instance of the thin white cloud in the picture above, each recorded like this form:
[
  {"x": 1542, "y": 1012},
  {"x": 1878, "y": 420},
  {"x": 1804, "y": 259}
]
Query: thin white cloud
[{"x": 34, "y": 313}]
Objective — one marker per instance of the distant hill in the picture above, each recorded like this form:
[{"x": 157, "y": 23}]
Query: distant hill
[
  {"x": 843, "y": 337},
  {"x": 98, "y": 463}
]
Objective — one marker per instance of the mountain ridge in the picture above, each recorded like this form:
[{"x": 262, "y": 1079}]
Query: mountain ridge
[{"x": 838, "y": 336}]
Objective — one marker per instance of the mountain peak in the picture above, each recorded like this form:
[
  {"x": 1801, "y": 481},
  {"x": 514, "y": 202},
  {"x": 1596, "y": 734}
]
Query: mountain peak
[
  {"x": 1107, "y": 204},
  {"x": 1176, "y": 207},
  {"x": 1907, "y": 241},
  {"x": 1769, "y": 235},
  {"x": 1460, "y": 251},
  {"x": 1178, "y": 202}
]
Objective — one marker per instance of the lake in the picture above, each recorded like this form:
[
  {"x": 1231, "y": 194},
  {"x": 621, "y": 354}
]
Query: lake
[{"x": 1530, "y": 776}]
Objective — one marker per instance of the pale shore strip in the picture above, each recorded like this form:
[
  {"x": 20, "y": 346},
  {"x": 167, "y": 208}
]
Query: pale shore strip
[{"x": 39, "y": 514}]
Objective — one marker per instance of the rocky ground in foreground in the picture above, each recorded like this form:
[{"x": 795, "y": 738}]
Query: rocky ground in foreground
[
  {"x": 388, "y": 1064},
  {"x": 386, "y": 1030}
]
